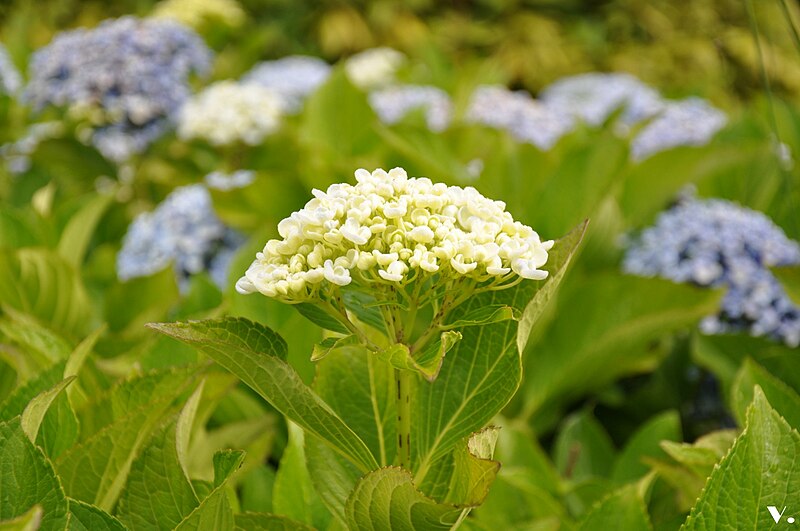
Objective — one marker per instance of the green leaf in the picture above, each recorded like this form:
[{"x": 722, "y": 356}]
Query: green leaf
[
  {"x": 583, "y": 449},
  {"x": 79, "y": 230},
  {"x": 41, "y": 346},
  {"x": 622, "y": 317},
  {"x": 215, "y": 511},
  {"x": 16, "y": 402},
  {"x": 493, "y": 313},
  {"x": 759, "y": 471},
  {"x": 95, "y": 470},
  {"x": 27, "y": 479},
  {"x": 37, "y": 408},
  {"x": 321, "y": 318},
  {"x": 646, "y": 443},
  {"x": 338, "y": 119},
  {"x": 701, "y": 456},
  {"x": 474, "y": 470},
  {"x": 132, "y": 304},
  {"x": 361, "y": 390},
  {"x": 41, "y": 283},
  {"x": 624, "y": 510},
  {"x": 30, "y": 521},
  {"x": 430, "y": 359},
  {"x": 158, "y": 494},
  {"x": 789, "y": 277},
  {"x": 387, "y": 499},
  {"x": 782, "y": 397},
  {"x": 85, "y": 517},
  {"x": 293, "y": 494},
  {"x": 483, "y": 371},
  {"x": 364, "y": 306},
  {"x": 558, "y": 262},
  {"x": 255, "y": 354},
  {"x": 428, "y": 363},
  {"x": 330, "y": 344},
  {"x": 268, "y": 522}
]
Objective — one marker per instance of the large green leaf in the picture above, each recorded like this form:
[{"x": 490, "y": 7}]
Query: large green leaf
[
  {"x": 27, "y": 479},
  {"x": 623, "y": 510},
  {"x": 293, "y": 494},
  {"x": 39, "y": 346},
  {"x": 29, "y": 521},
  {"x": 78, "y": 233},
  {"x": 387, "y": 499},
  {"x": 85, "y": 517},
  {"x": 215, "y": 511},
  {"x": 158, "y": 494},
  {"x": 583, "y": 449},
  {"x": 783, "y": 398},
  {"x": 95, "y": 469},
  {"x": 255, "y": 354},
  {"x": 644, "y": 444},
  {"x": 484, "y": 369},
  {"x": 267, "y": 522},
  {"x": 620, "y": 317},
  {"x": 759, "y": 471},
  {"x": 36, "y": 409},
  {"x": 41, "y": 283}
]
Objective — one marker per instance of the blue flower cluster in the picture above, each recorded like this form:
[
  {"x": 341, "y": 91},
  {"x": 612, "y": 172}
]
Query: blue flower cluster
[
  {"x": 689, "y": 122},
  {"x": 594, "y": 97},
  {"x": 294, "y": 78},
  {"x": 392, "y": 103},
  {"x": 526, "y": 119},
  {"x": 127, "y": 77},
  {"x": 10, "y": 80},
  {"x": 226, "y": 182},
  {"x": 182, "y": 230},
  {"x": 720, "y": 244}
]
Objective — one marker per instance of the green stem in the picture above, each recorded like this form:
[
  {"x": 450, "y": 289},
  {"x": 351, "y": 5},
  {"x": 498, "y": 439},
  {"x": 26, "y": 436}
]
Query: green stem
[{"x": 403, "y": 381}]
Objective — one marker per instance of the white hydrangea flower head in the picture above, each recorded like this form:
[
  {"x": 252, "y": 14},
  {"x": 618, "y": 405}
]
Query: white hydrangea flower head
[
  {"x": 197, "y": 13},
  {"x": 374, "y": 68},
  {"x": 228, "y": 112},
  {"x": 390, "y": 229}
]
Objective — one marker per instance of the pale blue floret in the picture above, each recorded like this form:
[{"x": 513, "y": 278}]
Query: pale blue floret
[
  {"x": 594, "y": 97},
  {"x": 717, "y": 243},
  {"x": 133, "y": 71},
  {"x": 183, "y": 231},
  {"x": 689, "y": 122},
  {"x": 10, "y": 79},
  {"x": 218, "y": 180},
  {"x": 294, "y": 78},
  {"x": 393, "y": 103},
  {"x": 518, "y": 113}
]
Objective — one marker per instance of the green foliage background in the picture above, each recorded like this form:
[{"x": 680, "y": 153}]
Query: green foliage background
[{"x": 612, "y": 425}]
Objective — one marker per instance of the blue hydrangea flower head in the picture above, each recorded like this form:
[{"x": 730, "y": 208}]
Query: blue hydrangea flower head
[
  {"x": 717, "y": 243},
  {"x": 594, "y": 97},
  {"x": 526, "y": 119},
  {"x": 184, "y": 231},
  {"x": 688, "y": 122},
  {"x": 127, "y": 77},
  {"x": 10, "y": 79},
  {"x": 391, "y": 104},
  {"x": 294, "y": 78}
]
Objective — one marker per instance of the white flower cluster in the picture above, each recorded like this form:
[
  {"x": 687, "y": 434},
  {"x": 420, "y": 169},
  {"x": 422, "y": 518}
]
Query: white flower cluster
[
  {"x": 374, "y": 68},
  {"x": 227, "y": 112},
  {"x": 390, "y": 228}
]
